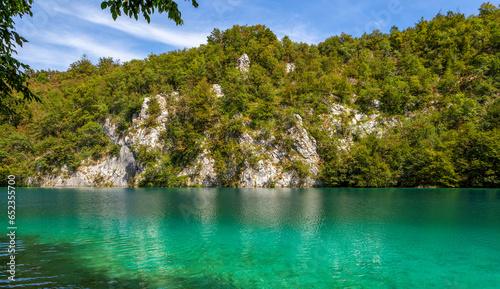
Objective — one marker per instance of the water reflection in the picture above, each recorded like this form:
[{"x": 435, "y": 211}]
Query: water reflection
[{"x": 255, "y": 237}]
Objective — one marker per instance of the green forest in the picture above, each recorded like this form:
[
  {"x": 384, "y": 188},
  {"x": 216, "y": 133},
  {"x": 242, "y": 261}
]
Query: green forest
[{"x": 438, "y": 82}]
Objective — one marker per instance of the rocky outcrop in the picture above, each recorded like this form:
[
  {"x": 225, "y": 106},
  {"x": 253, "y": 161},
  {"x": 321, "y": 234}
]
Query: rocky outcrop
[
  {"x": 345, "y": 123},
  {"x": 290, "y": 67},
  {"x": 202, "y": 173},
  {"x": 111, "y": 171},
  {"x": 274, "y": 166},
  {"x": 120, "y": 170},
  {"x": 144, "y": 131},
  {"x": 243, "y": 63},
  {"x": 289, "y": 159},
  {"x": 271, "y": 170},
  {"x": 115, "y": 171},
  {"x": 217, "y": 90}
]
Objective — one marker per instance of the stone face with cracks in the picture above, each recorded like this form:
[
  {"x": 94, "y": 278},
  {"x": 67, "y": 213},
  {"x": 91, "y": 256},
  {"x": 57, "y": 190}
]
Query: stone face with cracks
[
  {"x": 142, "y": 134},
  {"x": 266, "y": 169},
  {"x": 112, "y": 171},
  {"x": 270, "y": 172},
  {"x": 243, "y": 63},
  {"x": 116, "y": 171},
  {"x": 217, "y": 90},
  {"x": 202, "y": 172},
  {"x": 346, "y": 122}
]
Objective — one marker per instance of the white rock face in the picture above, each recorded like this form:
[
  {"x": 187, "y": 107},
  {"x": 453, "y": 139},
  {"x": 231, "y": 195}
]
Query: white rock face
[
  {"x": 243, "y": 63},
  {"x": 269, "y": 172},
  {"x": 263, "y": 175},
  {"x": 144, "y": 134},
  {"x": 111, "y": 171},
  {"x": 337, "y": 109},
  {"x": 346, "y": 122},
  {"x": 116, "y": 171},
  {"x": 305, "y": 145},
  {"x": 217, "y": 90},
  {"x": 290, "y": 67},
  {"x": 202, "y": 173},
  {"x": 269, "y": 162}
]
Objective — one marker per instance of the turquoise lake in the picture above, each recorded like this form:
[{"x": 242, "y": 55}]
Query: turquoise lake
[{"x": 254, "y": 238}]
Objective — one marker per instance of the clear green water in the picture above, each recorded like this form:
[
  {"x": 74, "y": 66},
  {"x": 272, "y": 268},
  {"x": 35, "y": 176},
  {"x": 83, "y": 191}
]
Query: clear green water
[{"x": 255, "y": 238}]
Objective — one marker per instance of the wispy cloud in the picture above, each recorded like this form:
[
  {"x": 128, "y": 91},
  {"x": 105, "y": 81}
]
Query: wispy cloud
[
  {"x": 300, "y": 32},
  {"x": 87, "y": 44},
  {"x": 44, "y": 57},
  {"x": 151, "y": 32},
  {"x": 58, "y": 50}
]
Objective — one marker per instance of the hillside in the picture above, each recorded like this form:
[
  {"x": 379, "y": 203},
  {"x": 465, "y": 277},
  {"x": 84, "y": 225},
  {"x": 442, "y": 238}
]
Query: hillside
[{"x": 418, "y": 107}]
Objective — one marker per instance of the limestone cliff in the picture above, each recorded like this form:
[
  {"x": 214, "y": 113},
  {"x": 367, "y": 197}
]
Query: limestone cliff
[
  {"x": 346, "y": 123},
  {"x": 270, "y": 171},
  {"x": 116, "y": 170},
  {"x": 284, "y": 158},
  {"x": 276, "y": 162}
]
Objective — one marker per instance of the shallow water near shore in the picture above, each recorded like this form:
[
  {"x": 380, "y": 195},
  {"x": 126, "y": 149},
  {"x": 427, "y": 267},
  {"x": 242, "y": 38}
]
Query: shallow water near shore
[{"x": 254, "y": 238}]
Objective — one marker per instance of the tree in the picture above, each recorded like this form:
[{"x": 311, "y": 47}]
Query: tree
[
  {"x": 13, "y": 75},
  {"x": 133, "y": 8}
]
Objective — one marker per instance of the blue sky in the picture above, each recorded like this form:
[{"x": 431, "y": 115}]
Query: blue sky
[{"x": 61, "y": 31}]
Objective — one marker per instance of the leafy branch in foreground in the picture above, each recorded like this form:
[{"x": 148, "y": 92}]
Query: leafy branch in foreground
[
  {"x": 133, "y": 8},
  {"x": 12, "y": 71}
]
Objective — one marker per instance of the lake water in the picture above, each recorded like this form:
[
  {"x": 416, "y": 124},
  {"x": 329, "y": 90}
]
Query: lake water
[{"x": 255, "y": 238}]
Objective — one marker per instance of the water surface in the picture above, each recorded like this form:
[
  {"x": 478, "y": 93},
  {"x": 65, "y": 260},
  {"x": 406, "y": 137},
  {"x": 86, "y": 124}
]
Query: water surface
[{"x": 255, "y": 238}]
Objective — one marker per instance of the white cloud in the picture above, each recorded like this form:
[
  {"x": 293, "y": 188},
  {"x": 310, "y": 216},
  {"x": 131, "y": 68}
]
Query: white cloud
[
  {"x": 58, "y": 50},
  {"x": 45, "y": 57},
  {"x": 89, "y": 45},
  {"x": 300, "y": 32},
  {"x": 142, "y": 30}
]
